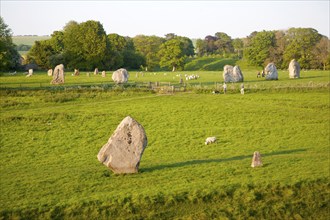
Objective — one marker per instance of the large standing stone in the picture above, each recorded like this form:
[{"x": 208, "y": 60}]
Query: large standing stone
[
  {"x": 256, "y": 160},
  {"x": 123, "y": 151},
  {"x": 232, "y": 74},
  {"x": 120, "y": 76},
  {"x": 58, "y": 75},
  {"x": 238, "y": 75},
  {"x": 294, "y": 69},
  {"x": 103, "y": 73},
  {"x": 271, "y": 72}
]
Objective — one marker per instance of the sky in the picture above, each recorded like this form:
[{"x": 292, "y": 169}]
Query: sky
[{"x": 193, "y": 19}]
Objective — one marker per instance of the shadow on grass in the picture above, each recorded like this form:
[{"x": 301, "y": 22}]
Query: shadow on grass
[{"x": 220, "y": 160}]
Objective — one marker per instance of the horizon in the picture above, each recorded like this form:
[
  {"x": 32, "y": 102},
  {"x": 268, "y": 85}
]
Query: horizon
[{"x": 192, "y": 19}]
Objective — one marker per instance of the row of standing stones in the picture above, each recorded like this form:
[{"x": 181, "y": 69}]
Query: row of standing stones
[
  {"x": 230, "y": 73},
  {"x": 234, "y": 74},
  {"x": 119, "y": 76},
  {"x": 123, "y": 151}
]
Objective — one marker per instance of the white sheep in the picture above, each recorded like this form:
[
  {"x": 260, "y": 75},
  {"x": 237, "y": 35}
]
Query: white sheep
[{"x": 210, "y": 140}]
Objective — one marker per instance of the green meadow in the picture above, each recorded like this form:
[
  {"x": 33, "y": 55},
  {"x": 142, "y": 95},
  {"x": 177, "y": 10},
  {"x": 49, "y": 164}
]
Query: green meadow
[{"x": 50, "y": 136}]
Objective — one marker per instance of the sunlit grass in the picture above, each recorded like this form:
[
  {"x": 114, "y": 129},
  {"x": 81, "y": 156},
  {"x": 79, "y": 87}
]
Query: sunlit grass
[{"x": 50, "y": 139}]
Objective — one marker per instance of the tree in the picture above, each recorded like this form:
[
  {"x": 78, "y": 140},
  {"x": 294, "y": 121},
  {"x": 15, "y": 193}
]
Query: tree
[
  {"x": 9, "y": 57},
  {"x": 321, "y": 54},
  {"x": 223, "y": 44},
  {"x": 188, "y": 47},
  {"x": 276, "y": 52},
  {"x": 132, "y": 58},
  {"x": 72, "y": 53},
  {"x": 94, "y": 44},
  {"x": 300, "y": 44},
  {"x": 48, "y": 53},
  {"x": 238, "y": 47},
  {"x": 40, "y": 54},
  {"x": 210, "y": 44},
  {"x": 117, "y": 46},
  {"x": 201, "y": 47},
  {"x": 148, "y": 47},
  {"x": 171, "y": 54},
  {"x": 258, "y": 51},
  {"x": 86, "y": 45}
]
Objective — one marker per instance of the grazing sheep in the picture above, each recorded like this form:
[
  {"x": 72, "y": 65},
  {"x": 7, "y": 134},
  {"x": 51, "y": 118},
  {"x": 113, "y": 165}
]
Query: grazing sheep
[{"x": 210, "y": 140}]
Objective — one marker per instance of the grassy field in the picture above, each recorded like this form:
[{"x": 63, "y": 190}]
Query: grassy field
[{"x": 50, "y": 138}]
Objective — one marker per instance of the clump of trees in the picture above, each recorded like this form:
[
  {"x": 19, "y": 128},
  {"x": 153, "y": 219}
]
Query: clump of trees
[
  {"x": 306, "y": 45},
  {"x": 86, "y": 46},
  {"x": 220, "y": 44},
  {"x": 9, "y": 57}
]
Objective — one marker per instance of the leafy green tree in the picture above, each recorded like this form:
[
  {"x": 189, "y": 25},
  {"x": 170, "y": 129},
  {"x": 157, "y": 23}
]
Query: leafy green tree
[
  {"x": 258, "y": 51},
  {"x": 223, "y": 44},
  {"x": 188, "y": 47},
  {"x": 86, "y": 45},
  {"x": 94, "y": 44},
  {"x": 48, "y": 53},
  {"x": 172, "y": 55},
  {"x": 201, "y": 47},
  {"x": 300, "y": 44},
  {"x": 57, "y": 41},
  {"x": 238, "y": 47},
  {"x": 40, "y": 54},
  {"x": 123, "y": 52},
  {"x": 72, "y": 44},
  {"x": 117, "y": 46},
  {"x": 321, "y": 54},
  {"x": 9, "y": 57},
  {"x": 276, "y": 52},
  {"x": 148, "y": 47},
  {"x": 132, "y": 58}
]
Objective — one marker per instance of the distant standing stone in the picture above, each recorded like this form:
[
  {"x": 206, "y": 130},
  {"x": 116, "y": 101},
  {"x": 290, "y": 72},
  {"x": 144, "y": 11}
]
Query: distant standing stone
[
  {"x": 103, "y": 73},
  {"x": 30, "y": 73},
  {"x": 96, "y": 71},
  {"x": 271, "y": 72},
  {"x": 120, "y": 76},
  {"x": 256, "y": 160},
  {"x": 76, "y": 72},
  {"x": 58, "y": 75},
  {"x": 50, "y": 72},
  {"x": 294, "y": 69},
  {"x": 123, "y": 151}
]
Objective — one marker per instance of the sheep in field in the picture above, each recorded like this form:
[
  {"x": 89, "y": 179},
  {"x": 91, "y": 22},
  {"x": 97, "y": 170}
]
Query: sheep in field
[{"x": 210, "y": 140}]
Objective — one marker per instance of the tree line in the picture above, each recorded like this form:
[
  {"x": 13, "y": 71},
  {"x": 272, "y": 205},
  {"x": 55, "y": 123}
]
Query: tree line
[{"x": 86, "y": 46}]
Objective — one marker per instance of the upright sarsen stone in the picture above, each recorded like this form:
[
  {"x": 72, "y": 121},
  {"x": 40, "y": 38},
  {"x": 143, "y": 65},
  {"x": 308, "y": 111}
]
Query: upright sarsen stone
[
  {"x": 232, "y": 74},
  {"x": 120, "y": 76},
  {"x": 123, "y": 151},
  {"x": 58, "y": 75},
  {"x": 256, "y": 160},
  {"x": 271, "y": 72},
  {"x": 294, "y": 69}
]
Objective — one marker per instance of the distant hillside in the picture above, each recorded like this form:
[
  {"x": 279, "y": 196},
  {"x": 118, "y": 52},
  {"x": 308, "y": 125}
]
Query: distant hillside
[{"x": 28, "y": 40}]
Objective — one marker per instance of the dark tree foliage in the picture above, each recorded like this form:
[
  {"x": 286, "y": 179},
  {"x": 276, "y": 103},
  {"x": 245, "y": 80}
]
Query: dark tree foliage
[
  {"x": 9, "y": 57},
  {"x": 148, "y": 47}
]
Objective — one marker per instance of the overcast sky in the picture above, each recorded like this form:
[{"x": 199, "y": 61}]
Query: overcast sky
[{"x": 193, "y": 19}]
